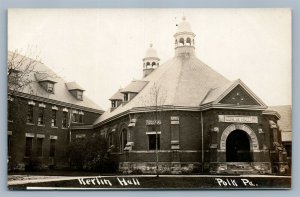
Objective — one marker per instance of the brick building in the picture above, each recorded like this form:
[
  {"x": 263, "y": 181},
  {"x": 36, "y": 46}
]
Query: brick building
[
  {"x": 184, "y": 117},
  {"x": 44, "y": 115}
]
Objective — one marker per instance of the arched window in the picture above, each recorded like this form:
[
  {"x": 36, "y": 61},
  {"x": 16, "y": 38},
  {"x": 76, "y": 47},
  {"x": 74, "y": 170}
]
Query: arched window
[
  {"x": 148, "y": 64},
  {"x": 188, "y": 41},
  {"x": 176, "y": 43},
  {"x": 181, "y": 41},
  {"x": 123, "y": 139},
  {"x": 153, "y": 64},
  {"x": 110, "y": 139}
]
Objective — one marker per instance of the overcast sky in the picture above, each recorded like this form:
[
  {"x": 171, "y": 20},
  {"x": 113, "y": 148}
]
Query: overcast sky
[{"x": 103, "y": 49}]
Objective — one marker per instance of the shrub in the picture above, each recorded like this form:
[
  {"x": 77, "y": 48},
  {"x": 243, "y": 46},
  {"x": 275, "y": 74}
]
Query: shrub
[{"x": 91, "y": 154}]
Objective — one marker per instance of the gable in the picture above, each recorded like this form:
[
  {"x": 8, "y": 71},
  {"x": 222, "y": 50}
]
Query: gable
[{"x": 239, "y": 96}]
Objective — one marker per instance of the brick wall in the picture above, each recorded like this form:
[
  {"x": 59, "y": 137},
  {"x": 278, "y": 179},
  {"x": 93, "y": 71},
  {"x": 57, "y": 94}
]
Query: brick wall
[{"x": 18, "y": 127}]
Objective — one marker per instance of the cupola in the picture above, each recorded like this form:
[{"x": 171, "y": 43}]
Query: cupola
[
  {"x": 150, "y": 61},
  {"x": 184, "y": 39}
]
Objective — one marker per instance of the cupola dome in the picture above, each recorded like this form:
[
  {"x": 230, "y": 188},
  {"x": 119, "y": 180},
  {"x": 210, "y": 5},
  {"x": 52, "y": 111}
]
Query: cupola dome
[
  {"x": 150, "y": 61},
  {"x": 184, "y": 26},
  {"x": 184, "y": 39}
]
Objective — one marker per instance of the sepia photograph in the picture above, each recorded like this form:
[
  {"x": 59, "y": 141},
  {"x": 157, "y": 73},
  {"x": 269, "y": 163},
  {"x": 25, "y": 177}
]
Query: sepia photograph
[{"x": 131, "y": 99}]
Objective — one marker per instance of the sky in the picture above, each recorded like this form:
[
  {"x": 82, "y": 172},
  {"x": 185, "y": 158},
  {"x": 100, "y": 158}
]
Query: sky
[{"x": 102, "y": 49}]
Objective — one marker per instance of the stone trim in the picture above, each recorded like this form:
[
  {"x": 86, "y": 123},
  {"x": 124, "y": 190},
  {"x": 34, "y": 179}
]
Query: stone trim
[{"x": 254, "y": 145}]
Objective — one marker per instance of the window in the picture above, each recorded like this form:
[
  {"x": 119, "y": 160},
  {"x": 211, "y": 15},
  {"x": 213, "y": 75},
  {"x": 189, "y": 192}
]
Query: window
[
  {"x": 77, "y": 117},
  {"x": 52, "y": 147},
  {"x": 79, "y": 95},
  {"x": 28, "y": 146},
  {"x": 113, "y": 103},
  {"x": 41, "y": 116},
  {"x": 50, "y": 87},
  {"x": 80, "y": 118},
  {"x": 188, "y": 40},
  {"x": 64, "y": 119},
  {"x": 9, "y": 145},
  {"x": 74, "y": 116},
  {"x": 123, "y": 138},
  {"x": 30, "y": 114},
  {"x": 53, "y": 118},
  {"x": 10, "y": 111},
  {"x": 110, "y": 139},
  {"x": 39, "y": 146},
  {"x": 152, "y": 141},
  {"x": 181, "y": 41},
  {"x": 125, "y": 96}
]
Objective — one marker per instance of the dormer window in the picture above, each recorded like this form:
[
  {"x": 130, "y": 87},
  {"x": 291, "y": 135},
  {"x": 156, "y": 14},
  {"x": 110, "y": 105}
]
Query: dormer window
[
  {"x": 75, "y": 90},
  {"x": 125, "y": 97},
  {"x": 130, "y": 91},
  {"x": 116, "y": 99},
  {"x": 79, "y": 95},
  {"x": 113, "y": 104},
  {"x": 50, "y": 87},
  {"x": 13, "y": 77}
]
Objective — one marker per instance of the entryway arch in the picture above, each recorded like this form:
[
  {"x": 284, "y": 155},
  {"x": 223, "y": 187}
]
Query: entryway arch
[{"x": 239, "y": 141}]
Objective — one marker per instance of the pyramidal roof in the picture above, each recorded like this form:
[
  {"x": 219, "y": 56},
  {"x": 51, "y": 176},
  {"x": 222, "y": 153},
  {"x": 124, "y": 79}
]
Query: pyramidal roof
[{"x": 182, "y": 82}]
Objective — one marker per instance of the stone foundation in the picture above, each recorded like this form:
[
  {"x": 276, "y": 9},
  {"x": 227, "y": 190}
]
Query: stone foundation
[
  {"x": 163, "y": 168},
  {"x": 239, "y": 168}
]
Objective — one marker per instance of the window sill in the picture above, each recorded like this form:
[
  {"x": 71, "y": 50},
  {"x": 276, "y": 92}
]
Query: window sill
[
  {"x": 11, "y": 121},
  {"x": 41, "y": 125},
  {"x": 54, "y": 127},
  {"x": 30, "y": 123},
  {"x": 64, "y": 128},
  {"x": 153, "y": 151}
]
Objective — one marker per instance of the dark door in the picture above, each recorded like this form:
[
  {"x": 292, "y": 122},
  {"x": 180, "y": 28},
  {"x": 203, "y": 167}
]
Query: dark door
[{"x": 238, "y": 147}]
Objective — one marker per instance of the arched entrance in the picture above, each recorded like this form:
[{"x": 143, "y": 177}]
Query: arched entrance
[
  {"x": 238, "y": 147},
  {"x": 239, "y": 142}
]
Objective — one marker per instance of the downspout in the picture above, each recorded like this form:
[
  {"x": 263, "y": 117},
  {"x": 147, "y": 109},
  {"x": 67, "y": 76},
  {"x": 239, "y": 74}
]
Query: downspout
[
  {"x": 69, "y": 126},
  {"x": 202, "y": 145}
]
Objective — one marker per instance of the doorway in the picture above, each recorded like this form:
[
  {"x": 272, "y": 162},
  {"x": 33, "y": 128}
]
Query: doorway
[{"x": 238, "y": 147}]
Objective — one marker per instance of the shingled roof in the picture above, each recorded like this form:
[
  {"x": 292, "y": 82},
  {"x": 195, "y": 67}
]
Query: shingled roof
[
  {"x": 179, "y": 82},
  {"x": 117, "y": 96},
  {"x": 183, "y": 82},
  {"x": 61, "y": 92},
  {"x": 135, "y": 86},
  {"x": 285, "y": 121}
]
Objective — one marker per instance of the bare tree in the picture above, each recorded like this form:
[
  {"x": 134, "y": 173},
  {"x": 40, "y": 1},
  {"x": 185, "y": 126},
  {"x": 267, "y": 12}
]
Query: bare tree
[
  {"x": 156, "y": 112},
  {"x": 19, "y": 67}
]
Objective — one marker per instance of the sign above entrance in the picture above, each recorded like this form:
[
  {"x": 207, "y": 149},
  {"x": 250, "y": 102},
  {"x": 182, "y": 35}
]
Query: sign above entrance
[{"x": 238, "y": 118}]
